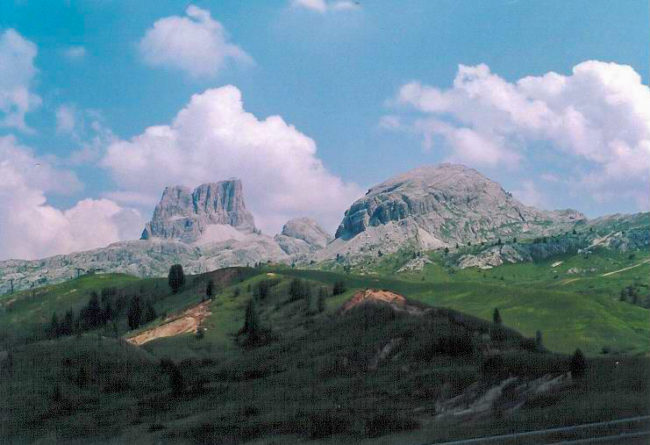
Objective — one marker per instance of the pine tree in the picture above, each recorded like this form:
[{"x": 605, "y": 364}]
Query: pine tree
[
  {"x": 209, "y": 290},
  {"x": 296, "y": 289},
  {"x": 251, "y": 321},
  {"x": 578, "y": 364},
  {"x": 496, "y": 316},
  {"x": 68, "y": 323},
  {"x": 339, "y": 288},
  {"x": 312, "y": 302},
  {"x": 134, "y": 314},
  {"x": 90, "y": 316},
  {"x": 322, "y": 295},
  {"x": 54, "y": 330},
  {"x": 176, "y": 277},
  {"x": 149, "y": 313}
]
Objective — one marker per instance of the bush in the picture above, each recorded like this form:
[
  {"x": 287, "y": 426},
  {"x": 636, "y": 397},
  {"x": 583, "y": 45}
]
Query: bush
[
  {"x": 327, "y": 423},
  {"x": 382, "y": 424},
  {"x": 339, "y": 288},
  {"x": 455, "y": 345}
]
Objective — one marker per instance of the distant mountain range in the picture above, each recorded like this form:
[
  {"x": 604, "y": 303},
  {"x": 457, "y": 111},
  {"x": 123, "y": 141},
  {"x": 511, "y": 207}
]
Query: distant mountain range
[{"x": 433, "y": 207}]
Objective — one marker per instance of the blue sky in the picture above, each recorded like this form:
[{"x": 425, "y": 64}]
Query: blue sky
[{"x": 336, "y": 74}]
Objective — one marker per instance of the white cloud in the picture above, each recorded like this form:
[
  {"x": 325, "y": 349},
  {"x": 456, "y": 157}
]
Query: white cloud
[
  {"x": 17, "y": 71},
  {"x": 323, "y": 6},
  {"x": 31, "y": 228},
  {"x": 196, "y": 44},
  {"x": 530, "y": 195},
  {"x": 65, "y": 119},
  {"x": 597, "y": 118},
  {"x": 214, "y": 138},
  {"x": 75, "y": 52}
]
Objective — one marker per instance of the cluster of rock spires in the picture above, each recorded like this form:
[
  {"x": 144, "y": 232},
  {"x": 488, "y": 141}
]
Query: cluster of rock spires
[{"x": 424, "y": 209}]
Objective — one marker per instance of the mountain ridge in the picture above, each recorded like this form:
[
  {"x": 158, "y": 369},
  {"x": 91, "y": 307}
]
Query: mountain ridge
[{"x": 428, "y": 208}]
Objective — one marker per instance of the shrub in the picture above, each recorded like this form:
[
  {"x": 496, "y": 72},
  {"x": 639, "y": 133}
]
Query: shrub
[
  {"x": 339, "y": 288},
  {"x": 454, "y": 345},
  {"x": 327, "y": 423},
  {"x": 382, "y": 424}
]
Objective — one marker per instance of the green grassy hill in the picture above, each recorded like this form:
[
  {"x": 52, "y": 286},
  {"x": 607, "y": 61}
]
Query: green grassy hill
[{"x": 312, "y": 374}]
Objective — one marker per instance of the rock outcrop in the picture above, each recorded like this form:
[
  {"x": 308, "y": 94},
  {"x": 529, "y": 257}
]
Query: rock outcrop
[
  {"x": 206, "y": 214},
  {"x": 436, "y": 206},
  {"x": 302, "y": 236},
  {"x": 427, "y": 208}
]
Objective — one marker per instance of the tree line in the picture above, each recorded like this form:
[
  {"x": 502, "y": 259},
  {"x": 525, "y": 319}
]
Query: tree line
[{"x": 109, "y": 307}]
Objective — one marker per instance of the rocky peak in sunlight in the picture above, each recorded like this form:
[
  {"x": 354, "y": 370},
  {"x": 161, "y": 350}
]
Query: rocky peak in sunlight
[{"x": 213, "y": 210}]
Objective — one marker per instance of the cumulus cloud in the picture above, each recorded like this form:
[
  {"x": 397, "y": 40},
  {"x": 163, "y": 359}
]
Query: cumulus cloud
[
  {"x": 65, "y": 119},
  {"x": 323, "y": 6},
  {"x": 17, "y": 71},
  {"x": 530, "y": 195},
  {"x": 196, "y": 44},
  {"x": 30, "y": 228},
  {"x": 214, "y": 138},
  {"x": 598, "y": 117}
]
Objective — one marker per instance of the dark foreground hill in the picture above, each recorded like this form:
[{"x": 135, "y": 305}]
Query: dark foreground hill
[{"x": 316, "y": 356}]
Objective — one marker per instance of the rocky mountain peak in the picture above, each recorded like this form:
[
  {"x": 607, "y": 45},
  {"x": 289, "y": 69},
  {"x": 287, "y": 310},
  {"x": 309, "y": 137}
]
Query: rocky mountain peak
[
  {"x": 301, "y": 236},
  {"x": 210, "y": 209},
  {"x": 438, "y": 205}
]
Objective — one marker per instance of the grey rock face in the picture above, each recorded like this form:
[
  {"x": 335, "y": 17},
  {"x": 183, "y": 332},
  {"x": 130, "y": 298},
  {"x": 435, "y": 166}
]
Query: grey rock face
[
  {"x": 141, "y": 258},
  {"x": 434, "y": 206},
  {"x": 302, "y": 236},
  {"x": 452, "y": 202},
  {"x": 183, "y": 214},
  {"x": 615, "y": 232}
]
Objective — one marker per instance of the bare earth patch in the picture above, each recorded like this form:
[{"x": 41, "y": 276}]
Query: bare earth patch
[
  {"x": 188, "y": 321},
  {"x": 396, "y": 301}
]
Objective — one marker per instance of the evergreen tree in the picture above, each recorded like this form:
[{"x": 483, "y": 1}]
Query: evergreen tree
[
  {"x": 339, "y": 288},
  {"x": 134, "y": 314},
  {"x": 578, "y": 364},
  {"x": 176, "y": 277},
  {"x": 54, "y": 330},
  {"x": 209, "y": 290},
  {"x": 149, "y": 313},
  {"x": 91, "y": 315},
  {"x": 252, "y": 320},
  {"x": 67, "y": 325},
  {"x": 297, "y": 289},
  {"x": 538, "y": 340},
  {"x": 446, "y": 250},
  {"x": 262, "y": 289},
  {"x": 312, "y": 302},
  {"x": 107, "y": 312},
  {"x": 176, "y": 382},
  {"x": 496, "y": 316}
]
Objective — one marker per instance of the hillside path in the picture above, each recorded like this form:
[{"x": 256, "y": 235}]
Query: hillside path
[{"x": 626, "y": 268}]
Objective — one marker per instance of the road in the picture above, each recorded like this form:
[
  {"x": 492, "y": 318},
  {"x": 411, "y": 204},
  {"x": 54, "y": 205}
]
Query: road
[{"x": 631, "y": 430}]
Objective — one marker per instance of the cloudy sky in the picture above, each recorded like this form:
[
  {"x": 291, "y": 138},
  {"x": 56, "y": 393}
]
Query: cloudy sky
[{"x": 310, "y": 102}]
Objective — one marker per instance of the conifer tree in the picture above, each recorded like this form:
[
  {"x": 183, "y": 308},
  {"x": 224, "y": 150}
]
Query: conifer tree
[
  {"x": 209, "y": 290},
  {"x": 496, "y": 316},
  {"x": 578, "y": 364},
  {"x": 176, "y": 277},
  {"x": 134, "y": 314}
]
